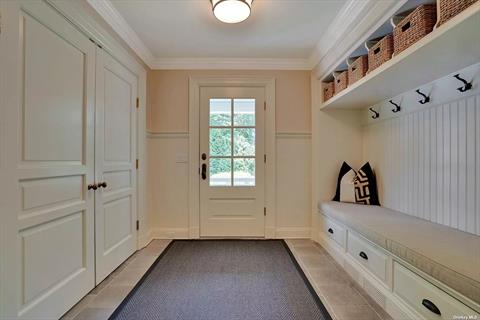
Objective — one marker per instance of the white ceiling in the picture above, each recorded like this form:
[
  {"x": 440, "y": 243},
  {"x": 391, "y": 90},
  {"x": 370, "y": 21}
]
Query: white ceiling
[{"x": 277, "y": 29}]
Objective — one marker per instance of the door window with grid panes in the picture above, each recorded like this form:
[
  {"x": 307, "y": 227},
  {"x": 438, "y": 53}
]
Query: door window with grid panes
[{"x": 232, "y": 142}]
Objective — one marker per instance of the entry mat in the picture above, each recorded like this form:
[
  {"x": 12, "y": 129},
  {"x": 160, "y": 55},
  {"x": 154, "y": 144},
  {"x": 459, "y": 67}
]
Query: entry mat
[{"x": 223, "y": 280}]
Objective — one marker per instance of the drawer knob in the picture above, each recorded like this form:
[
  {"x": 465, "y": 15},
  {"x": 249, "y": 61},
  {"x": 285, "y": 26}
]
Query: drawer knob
[
  {"x": 363, "y": 255},
  {"x": 330, "y": 230},
  {"x": 431, "y": 306}
]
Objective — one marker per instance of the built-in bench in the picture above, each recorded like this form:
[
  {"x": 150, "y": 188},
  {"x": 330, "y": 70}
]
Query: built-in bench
[{"x": 404, "y": 248}]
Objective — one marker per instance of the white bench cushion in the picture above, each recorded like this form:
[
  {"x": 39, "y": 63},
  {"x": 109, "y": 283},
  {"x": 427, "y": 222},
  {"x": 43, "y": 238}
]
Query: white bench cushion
[{"x": 446, "y": 254}]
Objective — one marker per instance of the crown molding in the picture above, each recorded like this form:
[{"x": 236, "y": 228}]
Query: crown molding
[
  {"x": 353, "y": 22},
  {"x": 350, "y": 28},
  {"x": 113, "y": 18},
  {"x": 230, "y": 64}
]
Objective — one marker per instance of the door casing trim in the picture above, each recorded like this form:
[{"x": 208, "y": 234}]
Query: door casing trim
[{"x": 197, "y": 82}]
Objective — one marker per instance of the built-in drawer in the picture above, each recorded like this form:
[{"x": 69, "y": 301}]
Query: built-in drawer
[
  {"x": 335, "y": 231},
  {"x": 427, "y": 299},
  {"x": 370, "y": 257}
]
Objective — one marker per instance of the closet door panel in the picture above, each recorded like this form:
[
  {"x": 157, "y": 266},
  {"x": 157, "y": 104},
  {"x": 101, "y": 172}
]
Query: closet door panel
[
  {"x": 50, "y": 163},
  {"x": 53, "y": 96},
  {"x": 115, "y": 203}
]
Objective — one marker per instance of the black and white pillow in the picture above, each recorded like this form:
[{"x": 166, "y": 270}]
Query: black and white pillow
[
  {"x": 357, "y": 187},
  {"x": 366, "y": 186},
  {"x": 345, "y": 184}
]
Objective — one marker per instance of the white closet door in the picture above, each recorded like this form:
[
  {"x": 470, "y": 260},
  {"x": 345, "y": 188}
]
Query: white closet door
[
  {"x": 115, "y": 164},
  {"x": 48, "y": 77}
]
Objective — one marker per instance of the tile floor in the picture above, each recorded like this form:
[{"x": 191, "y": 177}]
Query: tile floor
[
  {"x": 100, "y": 303},
  {"x": 342, "y": 297}
]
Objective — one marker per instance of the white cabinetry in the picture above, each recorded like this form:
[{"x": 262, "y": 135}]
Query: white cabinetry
[{"x": 68, "y": 121}]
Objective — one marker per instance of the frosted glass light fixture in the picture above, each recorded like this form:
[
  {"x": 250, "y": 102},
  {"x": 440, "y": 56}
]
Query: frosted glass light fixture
[{"x": 231, "y": 11}]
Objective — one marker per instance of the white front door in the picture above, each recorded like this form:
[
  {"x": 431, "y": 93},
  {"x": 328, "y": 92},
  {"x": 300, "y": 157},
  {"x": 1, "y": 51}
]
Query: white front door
[
  {"x": 232, "y": 162},
  {"x": 115, "y": 164}
]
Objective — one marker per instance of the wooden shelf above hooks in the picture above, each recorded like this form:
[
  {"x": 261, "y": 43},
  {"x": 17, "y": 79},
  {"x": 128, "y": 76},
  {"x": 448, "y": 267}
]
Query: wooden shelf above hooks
[{"x": 451, "y": 47}]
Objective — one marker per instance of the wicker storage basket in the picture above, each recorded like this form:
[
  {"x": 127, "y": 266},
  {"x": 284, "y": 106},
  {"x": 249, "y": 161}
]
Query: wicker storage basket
[
  {"x": 341, "y": 81},
  {"x": 380, "y": 53},
  {"x": 414, "y": 27},
  {"x": 328, "y": 90},
  {"x": 357, "y": 69},
  {"x": 450, "y": 8}
]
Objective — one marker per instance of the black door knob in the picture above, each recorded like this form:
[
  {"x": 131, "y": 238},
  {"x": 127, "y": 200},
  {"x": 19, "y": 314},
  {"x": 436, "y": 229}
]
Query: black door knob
[{"x": 92, "y": 186}]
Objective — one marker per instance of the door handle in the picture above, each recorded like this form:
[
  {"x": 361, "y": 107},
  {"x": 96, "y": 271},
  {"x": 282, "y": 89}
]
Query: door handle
[
  {"x": 102, "y": 184},
  {"x": 92, "y": 186},
  {"x": 204, "y": 171},
  {"x": 330, "y": 230}
]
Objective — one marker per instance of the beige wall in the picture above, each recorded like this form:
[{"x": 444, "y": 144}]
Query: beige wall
[
  {"x": 168, "y": 98},
  {"x": 167, "y": 145}
]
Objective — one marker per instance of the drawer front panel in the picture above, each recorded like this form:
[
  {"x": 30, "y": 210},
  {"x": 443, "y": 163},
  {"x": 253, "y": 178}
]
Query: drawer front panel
[
  {"x": 373, "y": 259},
  {"x": 336, "y": 232},
  {"x": 426, "y": 299}
]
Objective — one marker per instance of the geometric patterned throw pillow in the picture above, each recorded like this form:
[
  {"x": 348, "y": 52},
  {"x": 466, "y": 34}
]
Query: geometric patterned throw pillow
[{"x": 366, "y": 186}]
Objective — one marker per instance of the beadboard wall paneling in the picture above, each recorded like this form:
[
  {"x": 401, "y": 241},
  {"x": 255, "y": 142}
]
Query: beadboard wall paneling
[{"x": 428, "y": 162}]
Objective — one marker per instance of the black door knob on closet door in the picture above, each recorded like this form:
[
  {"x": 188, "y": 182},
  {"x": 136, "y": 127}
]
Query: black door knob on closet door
[
  {"x": 102, "y": 184},
  {"x": 330, "y": 230},
  {"x": 92, "y": 186}
]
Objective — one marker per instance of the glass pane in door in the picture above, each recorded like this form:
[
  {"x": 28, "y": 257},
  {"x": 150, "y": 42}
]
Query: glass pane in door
[
  {"x": 220, "y": 112},
  {"x": 220, "y": 172},
  {"x": 244, "y": 112},
  {"x": 244, "y": 172},
  {"x": 244, "y": 142},
  {"x": 232, "y": 142}
]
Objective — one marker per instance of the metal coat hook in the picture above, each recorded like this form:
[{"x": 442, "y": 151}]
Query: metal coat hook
[
  {"x": 425, "y": 97},
  {"x": 397, "y": 107},
  {"x": 467, "y": 85},
  {"x": 375, "y": 113}
]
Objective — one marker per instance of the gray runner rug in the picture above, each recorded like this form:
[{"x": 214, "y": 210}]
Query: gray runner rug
[{"x": 223, "y": 280}]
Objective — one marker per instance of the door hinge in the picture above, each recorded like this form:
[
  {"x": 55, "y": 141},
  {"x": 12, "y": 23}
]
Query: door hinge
[
  {"x": 264, "y": 105},
  {"x": 264, "y": 211},
  {"x": 138, "y": 225},
  {"x": 136, "y": 164},
  {"x": 265, "y": 158},
  {"x": 138, "y": 103}
]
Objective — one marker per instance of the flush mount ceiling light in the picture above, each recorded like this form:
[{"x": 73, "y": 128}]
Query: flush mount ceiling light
[{"x": 231, "y": 11}]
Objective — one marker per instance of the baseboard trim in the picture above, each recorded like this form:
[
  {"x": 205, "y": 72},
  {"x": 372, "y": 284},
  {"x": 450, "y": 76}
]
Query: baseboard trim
[
  {"x": 270, "y": 233},
  {"x": 292, "y": 233},
  {"x": 144, "y": 239},
  {"x": 193, "y": 233},
  {"x": 170, "y": 233}
]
